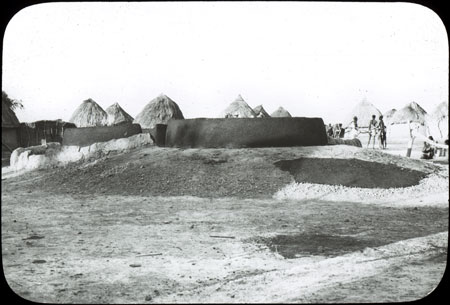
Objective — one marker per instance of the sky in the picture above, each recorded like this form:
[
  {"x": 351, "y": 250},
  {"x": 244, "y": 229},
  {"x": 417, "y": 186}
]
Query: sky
[{"x": 314, "y": 59}]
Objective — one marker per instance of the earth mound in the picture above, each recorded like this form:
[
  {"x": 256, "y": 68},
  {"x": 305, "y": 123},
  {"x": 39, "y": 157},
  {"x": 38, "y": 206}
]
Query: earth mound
[{"x": 217, "y": 173}]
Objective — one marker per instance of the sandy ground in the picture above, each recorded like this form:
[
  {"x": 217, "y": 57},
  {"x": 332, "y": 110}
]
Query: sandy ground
[{"x": 63, "y": 244}]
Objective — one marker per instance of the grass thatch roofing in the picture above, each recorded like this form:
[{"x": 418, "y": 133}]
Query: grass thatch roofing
[
  {"x": 238, "y": 109},
  {"x": 89, "y": 114},
  {"x": 411, "y": 112},
  {"x": 363, "y": 111},
  {"x": 388, "y": 115},
  {"x": 116, "y": 115},
  {"x": 281, "y": 113},
  {"x": 9, "y": 118},
  {"x": 261, "y": 112},
  {"x": 441, "y": 111},
  {"x": 158, "y": 111}
]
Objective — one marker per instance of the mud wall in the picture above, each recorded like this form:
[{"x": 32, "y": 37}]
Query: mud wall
[
  {"x": 88, "y": 135},
  {"x": 31, "y": 134},
  {"x": 10, "y": 137},
  {"x": 246, "y": 132},
  {"x": 157, "y": 133}
]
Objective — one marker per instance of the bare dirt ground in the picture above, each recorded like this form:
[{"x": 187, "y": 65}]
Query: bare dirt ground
[{"x": 160, "y": 225}]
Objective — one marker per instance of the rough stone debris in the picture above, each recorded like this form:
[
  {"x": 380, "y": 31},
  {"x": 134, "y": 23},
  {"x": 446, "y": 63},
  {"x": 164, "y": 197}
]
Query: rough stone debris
[{"x": 53, "y": 154}]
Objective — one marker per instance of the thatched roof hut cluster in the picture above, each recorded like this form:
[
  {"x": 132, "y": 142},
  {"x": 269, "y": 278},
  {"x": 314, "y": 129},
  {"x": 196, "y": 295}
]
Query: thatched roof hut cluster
[
  {"x": 435, "y": 123},
  {"x": 161, "y": 109},
  {"x": 158, "y": 111},
  {"x": 410, "y": 112},
  {"x": 240, "y": 109}
]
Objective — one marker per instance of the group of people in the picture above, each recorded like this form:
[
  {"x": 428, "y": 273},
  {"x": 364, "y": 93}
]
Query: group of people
[
  {"x": 336, "y": 131},
  {"x": 376, "y": 129}
]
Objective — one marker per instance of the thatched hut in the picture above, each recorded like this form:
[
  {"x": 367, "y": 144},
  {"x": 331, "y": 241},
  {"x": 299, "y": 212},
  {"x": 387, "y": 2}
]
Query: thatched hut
[
  {"x": 363, "y": 111},
  {"x": 116, "y": 115},
  {"x": 388, "y": 115},
  {"x": 238, "y": 109},
  {"x": 89, "y": 114},
  {"x": 261, "y": 112},
  {"x": 158, "y": 111},
  {"x": 281, "y": 113},
  {"x": 411, "y": 112},
  {"x": 439, "y": 120},
  {"x": 399, "y": 123}
]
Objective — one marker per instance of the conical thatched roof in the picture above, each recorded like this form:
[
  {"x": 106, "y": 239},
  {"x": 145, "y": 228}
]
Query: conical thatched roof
[
  {"x": 441, "y": 111},
  {"x": 238, "y": 109},
  {"x": 412, "y": 112},
  {"x": 261, "y": 112},
  {"x": 363, "y": 111},
  {"x": 9, "y": 118},
  {"x": 438, "y": 120},
  {"x": 116, "y": 115},
  {"x": 388, "y": 115},
  {"x": 281, "y": 113},
  {"x": 89, "y": 114},
  {"x": 158, "y": 111}
]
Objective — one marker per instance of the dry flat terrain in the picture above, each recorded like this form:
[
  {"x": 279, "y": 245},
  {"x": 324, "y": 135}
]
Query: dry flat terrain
[{"x": 165, "y": 225}]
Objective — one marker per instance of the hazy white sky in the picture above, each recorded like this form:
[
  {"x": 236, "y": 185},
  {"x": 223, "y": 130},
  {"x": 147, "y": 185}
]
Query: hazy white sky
[{"x": 314, "y": 59}]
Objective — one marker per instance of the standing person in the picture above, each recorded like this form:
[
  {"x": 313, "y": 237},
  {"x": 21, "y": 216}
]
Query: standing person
[
  {"x": 353, "y": 128},
  {"x": 413, "y": 131},
  {"x": 382, "y": 129},
  {"x": 337, "y": 131},
  {"x": 341, "y": 131},
  {"x": 372, "y": 130},
  {"x": 330, "y": 130}
]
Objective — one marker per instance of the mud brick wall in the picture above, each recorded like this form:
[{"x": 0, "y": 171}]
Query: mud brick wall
[
  {"x": 10, "y": 137},
  {"x": 88, "y": 135},
  {"x": 157, "y": 133},
  {"x": 246, "y": 132},
  {"x": 31, "y": 134}
]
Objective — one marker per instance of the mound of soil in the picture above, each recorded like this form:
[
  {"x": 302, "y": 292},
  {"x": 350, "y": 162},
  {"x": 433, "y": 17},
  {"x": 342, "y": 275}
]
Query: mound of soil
[
  {"x": 243, "y": 173},
  {"x": 350, "y": 172}
]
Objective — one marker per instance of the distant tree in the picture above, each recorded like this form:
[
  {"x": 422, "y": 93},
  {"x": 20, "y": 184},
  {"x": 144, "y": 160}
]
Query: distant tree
[{"x": 11, "y": 103}]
